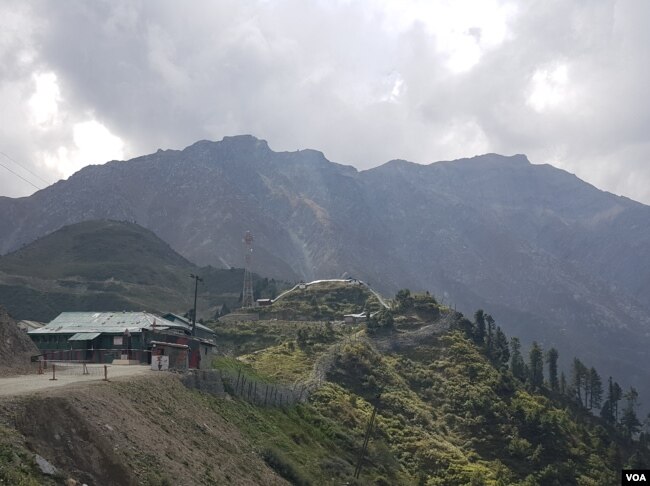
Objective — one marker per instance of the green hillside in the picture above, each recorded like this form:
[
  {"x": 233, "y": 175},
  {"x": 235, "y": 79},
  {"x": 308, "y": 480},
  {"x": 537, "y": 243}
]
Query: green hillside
[
  {"x": 451, "y": 408},
  {"x": 99, "y": 250},
  {"x": 111, "y": 265},
  {"x": 456, "y": 403}
]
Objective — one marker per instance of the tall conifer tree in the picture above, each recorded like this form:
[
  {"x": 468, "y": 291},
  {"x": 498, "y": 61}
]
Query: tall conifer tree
[
  {"x": 551, "y": 359},
  {"x": 517, "y": 365},
  {"x": 536, "y": 366}
]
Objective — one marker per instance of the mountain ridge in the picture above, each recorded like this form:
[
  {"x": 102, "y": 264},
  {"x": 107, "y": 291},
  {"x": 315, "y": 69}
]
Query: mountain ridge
[{"x": 551, "y": 257}]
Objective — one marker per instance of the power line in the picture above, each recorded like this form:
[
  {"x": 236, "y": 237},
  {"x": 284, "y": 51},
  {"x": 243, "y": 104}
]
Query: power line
[
  {"x": 18, "y": 175},
  {"x": 25, "y": 168},
  {"x": 366, "y": 439}
]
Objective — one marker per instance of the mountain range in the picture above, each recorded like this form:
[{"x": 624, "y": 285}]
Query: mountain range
[{"x": 551, "y": 257}]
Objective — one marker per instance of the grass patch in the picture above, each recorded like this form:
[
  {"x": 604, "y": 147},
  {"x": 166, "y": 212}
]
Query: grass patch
[
  {"x": 285, "y": 467},
  {"x": 283, "y": 363},
  {"x": 17, "y": 466},
  {"x": 234, "y": 366}
]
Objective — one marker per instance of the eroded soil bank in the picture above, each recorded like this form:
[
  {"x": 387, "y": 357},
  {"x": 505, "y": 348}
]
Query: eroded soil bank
[{"x": 147, "y": 430}]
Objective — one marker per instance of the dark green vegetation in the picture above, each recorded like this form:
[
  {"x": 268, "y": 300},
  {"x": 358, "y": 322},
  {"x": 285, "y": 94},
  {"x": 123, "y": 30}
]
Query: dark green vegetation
[
  {"x": 458, "y": 403},
  {"x": 111, "y": 265},
  {"x": 241, "y": 338}
]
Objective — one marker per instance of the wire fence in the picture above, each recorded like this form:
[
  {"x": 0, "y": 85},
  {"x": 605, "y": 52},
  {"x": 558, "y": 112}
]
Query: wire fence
[
  {"x": 56, "y": 369},
  {"x": 250, "y": 389},
  {"x": 69, "y": 368},
  {"x": 260, "y": 392},
  {"x": 207, "y": 381}
]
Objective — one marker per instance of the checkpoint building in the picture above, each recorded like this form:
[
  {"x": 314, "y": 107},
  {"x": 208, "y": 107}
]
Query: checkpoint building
[{"x": 102, "y": 337}]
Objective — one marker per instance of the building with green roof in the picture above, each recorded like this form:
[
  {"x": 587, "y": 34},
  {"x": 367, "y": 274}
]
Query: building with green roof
[{"x": 101, "y": 337}]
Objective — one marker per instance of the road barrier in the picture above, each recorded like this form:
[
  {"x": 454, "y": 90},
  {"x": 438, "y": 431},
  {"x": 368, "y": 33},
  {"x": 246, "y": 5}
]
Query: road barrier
[
  {"x": 70, "y": 368},
  {"x": 91, "y": 355}
]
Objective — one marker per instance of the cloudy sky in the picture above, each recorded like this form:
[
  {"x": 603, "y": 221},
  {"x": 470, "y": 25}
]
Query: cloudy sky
[{"x": 565, "y": 82}]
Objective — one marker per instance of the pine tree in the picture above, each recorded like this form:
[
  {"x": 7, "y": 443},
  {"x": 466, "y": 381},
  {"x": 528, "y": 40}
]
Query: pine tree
[
  {"x": 609, "y": 411},
  {"x": 644, "y": 437},
  {"x": 578, "y": 380},
  {"x": 595, "y": 388},
  {"x": 551, "y": 359},
  {"x": 563, "y": 385},
  {"x": 536, "y": 366},
  {"x": 501, "y": 351},
  {"x": 617, "y": 394},
  {"x": 479, "y": 318},
  {"x": 517, "y": 365},
  {"x": 606, "y": 412},
  {"x": 489, "y": 320},
  {"x": 629, "y": 421},
  {"x": 467, "y": 327},
  {"x": 404, "y": 299}
]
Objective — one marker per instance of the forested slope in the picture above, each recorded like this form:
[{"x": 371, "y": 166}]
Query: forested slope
[{"x": 457, "y": 403}]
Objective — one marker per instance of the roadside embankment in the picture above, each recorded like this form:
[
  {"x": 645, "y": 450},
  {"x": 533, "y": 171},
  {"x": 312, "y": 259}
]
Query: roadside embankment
[{"x": 145, "y": 430}]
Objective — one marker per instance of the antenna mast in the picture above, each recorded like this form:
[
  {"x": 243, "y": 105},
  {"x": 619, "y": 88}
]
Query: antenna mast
[{"x": 247, "y": 293}]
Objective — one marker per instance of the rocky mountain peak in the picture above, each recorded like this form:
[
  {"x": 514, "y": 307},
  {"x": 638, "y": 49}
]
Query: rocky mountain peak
[{"x": 489, "y": 161}]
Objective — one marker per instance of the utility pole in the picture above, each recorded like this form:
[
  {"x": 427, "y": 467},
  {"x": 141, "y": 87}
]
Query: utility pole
[
  {"x": 366, "y": 439},
  {"x": 197, "y": 279}
]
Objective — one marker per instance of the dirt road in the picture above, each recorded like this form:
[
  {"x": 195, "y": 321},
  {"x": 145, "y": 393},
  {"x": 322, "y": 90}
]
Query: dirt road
[{"x": 66, "y": 375}]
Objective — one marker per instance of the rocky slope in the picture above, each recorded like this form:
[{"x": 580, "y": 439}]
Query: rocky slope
[
  {"x": 15, "y": 346},
  {"x": 148, "y": 431}
]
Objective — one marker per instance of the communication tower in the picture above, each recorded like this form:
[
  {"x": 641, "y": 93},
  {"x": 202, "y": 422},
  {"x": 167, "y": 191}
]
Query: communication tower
[{"x": 247, "y": 293}]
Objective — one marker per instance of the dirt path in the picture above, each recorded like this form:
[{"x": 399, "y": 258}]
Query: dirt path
[
  {"x": 338, "y": 280},
  {"x": 20, "y": 385}
]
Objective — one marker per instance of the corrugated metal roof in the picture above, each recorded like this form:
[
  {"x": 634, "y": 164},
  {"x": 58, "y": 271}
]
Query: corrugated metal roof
[
  {"x": 177, "y": 318},
  {"x": 106, "y": 322},
  {"x": 84, "y": 336},
  {"x": 187, "y": 321},
  {"x": 205, "y": 328},
  {"x": 27, "y": 325}
]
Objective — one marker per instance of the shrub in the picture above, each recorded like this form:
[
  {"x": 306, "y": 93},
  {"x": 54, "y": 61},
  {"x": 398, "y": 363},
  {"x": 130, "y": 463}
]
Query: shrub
[{"x": 284, "y": 466}]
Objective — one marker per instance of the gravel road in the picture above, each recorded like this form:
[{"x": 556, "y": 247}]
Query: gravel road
[{"x": 24, "y": 384}]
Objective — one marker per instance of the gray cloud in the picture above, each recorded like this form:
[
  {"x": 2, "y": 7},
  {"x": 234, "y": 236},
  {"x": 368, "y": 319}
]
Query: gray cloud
[{"x": 561, "y": 81}]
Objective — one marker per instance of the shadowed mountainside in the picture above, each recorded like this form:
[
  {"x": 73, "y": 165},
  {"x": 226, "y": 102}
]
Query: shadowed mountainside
[{"x": 111, "y": 265}]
